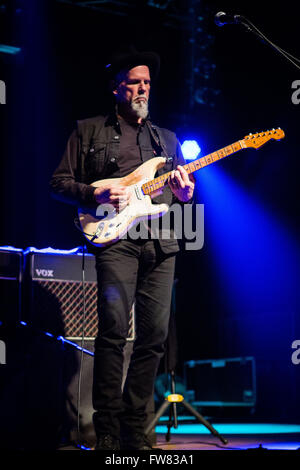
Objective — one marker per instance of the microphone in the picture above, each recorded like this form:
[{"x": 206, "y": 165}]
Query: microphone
[{"x": 222, "y": 18}]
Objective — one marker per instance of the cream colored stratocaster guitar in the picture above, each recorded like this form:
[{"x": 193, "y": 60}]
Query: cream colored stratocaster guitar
[{"x": 105, "y": 225}]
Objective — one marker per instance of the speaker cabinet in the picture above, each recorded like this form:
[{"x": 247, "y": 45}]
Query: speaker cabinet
[
  {"x": 54, "y": 293},
  {"x": 48, "y": 377},
  {"x": 11, "y": 270}
]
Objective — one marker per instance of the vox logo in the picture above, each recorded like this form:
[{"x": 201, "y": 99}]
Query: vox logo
[{"x": 44, "y": 272}]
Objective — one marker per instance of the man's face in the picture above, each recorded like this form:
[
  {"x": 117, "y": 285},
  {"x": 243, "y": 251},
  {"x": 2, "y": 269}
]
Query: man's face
[{"x": 134, "y": 87}]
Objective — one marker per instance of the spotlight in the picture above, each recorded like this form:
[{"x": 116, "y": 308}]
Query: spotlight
[{"x": 190, "y": 149}]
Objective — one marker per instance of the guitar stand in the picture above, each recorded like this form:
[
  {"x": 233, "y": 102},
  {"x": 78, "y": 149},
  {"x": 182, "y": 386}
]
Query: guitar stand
[{"x": 173, "y": 399}]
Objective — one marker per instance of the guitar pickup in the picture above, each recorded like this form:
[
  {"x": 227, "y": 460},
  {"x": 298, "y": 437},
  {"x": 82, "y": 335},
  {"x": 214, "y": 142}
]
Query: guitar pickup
[{"x": 137, "y": 192}]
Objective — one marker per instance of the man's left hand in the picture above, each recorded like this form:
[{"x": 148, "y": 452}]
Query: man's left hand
[{"x": 182, "y": 184}]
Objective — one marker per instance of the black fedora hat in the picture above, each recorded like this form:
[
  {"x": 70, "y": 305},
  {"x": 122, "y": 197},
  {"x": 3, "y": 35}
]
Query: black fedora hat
[{"x": 128, "y": 58}]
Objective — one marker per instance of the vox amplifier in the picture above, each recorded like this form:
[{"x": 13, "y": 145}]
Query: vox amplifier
[{"x": 54, "y": 291}]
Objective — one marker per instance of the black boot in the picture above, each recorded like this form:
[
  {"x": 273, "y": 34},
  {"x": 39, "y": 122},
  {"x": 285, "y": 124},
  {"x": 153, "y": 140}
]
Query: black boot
[
  {"x": 136, "y": 441},
  {"x": 107, "y": 442}
]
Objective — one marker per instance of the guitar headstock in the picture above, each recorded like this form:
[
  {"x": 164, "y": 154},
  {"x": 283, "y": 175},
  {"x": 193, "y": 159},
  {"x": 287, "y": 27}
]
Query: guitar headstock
[{"x": 260, "y": 138}]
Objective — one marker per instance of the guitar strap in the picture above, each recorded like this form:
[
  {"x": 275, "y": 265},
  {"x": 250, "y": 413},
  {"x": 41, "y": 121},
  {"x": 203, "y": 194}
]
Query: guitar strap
[{"x": 159, "y": 140}]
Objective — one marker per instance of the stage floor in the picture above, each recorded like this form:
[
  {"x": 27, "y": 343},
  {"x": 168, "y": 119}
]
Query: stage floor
[
  {"x": 240, "y": 436},
  {"x": 194, "y": 442}
]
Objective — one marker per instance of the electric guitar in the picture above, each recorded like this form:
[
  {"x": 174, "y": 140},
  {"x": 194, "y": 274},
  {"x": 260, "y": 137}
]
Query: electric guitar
[{"x": 105, "y": 225}]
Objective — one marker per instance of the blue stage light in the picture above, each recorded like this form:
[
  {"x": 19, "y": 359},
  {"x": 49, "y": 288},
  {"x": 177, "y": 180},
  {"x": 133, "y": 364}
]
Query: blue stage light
[
  {"x": 62, "y": 339},
  {"x": 9, "y": 49},
  {"x": 256, "y": 258},
  {"x": 232, "y": 428},
  {"x": 82, "y": 447},
  {"x": 53, "y": 251},
  {"x": 190, "y": 149}
]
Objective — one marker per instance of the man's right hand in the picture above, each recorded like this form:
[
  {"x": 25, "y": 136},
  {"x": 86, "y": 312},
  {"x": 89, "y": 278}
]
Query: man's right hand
[{"x": 116, "y": 195}]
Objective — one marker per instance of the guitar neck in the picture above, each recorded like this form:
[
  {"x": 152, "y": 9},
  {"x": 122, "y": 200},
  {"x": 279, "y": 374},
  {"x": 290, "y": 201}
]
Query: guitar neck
[{"x": 195, "y": 165}]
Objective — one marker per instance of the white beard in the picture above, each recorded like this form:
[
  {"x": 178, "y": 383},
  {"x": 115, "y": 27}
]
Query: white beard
[{"x": 140, "y": 108}]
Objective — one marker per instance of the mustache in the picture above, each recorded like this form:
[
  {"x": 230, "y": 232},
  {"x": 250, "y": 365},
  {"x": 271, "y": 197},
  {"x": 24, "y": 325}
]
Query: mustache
[{"x": 144, "y": 97}]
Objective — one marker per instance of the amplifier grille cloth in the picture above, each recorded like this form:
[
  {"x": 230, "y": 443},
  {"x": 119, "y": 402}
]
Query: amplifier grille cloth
[{"x": 69, "y": 295}]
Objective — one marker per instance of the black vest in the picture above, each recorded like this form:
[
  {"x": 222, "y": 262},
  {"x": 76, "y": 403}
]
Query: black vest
[{"x": 99, "y": 151}]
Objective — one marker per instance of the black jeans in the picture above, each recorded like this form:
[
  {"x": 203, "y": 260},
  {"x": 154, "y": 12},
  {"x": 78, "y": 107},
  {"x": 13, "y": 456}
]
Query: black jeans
[{"x": 129, "y": 271}]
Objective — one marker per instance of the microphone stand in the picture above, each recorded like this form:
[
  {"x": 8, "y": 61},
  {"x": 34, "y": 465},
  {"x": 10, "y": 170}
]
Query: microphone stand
[
  {"x": 172, "y": 400},
  {"x": 250, "y": 27}
]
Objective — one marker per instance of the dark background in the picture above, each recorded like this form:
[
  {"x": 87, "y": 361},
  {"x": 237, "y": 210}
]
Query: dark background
[{"x": 58, "y": 78}]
